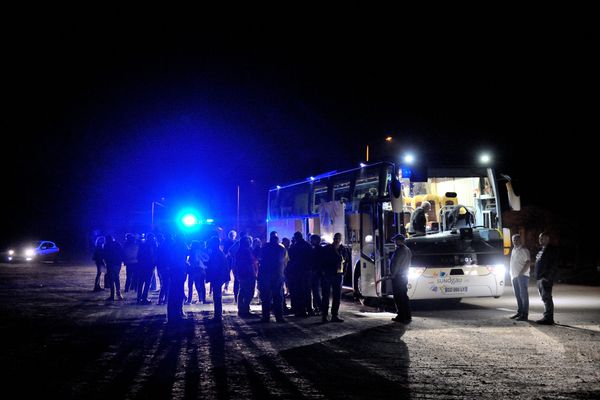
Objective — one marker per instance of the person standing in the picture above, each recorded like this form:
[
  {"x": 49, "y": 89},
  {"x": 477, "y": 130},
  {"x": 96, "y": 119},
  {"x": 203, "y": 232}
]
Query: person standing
[
  {"x": 519, "y": 274},
  {"x": 246, "y": 272},
  {"x": 399, "y": 266},
  {"x": 335, "y": 257},
  {"x": 130, "y": 249},
  {"x": 298, "y": 276},
  {"x": 113, "y": 257},
  {"x": 316, "y": 261},
  {"x": 197, "y": 271},
  {"x": 177, "y": 259},
  {"x": 100, "y": 265},
  {"x": 271, "y": 277},
  {"x": 146, "y": 262},
  {"x": 163, "y": 245},
  {"x": 546, "y": 267},
  {"x": 227, "y": 244},
  {"x": 217, "y": 273}
]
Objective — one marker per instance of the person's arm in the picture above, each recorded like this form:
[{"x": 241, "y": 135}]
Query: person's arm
[{"x": 526, "y": 262}]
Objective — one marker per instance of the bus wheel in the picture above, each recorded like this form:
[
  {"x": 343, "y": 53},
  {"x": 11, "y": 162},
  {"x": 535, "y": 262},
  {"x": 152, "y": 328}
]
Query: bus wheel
[{"x": 356, "y": 283}]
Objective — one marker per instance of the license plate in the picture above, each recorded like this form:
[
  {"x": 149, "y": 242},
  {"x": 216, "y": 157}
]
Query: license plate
[{"x": 456, "y": 289}]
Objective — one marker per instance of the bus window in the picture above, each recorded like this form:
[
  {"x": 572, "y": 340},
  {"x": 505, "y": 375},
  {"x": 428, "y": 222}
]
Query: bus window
[
  {"x": 366, "y": 184},
  {"x": 293, "y": 201},
  {"x": 274, "y": 209},
  {"x": 341, "y": 192},
  {"x": 319, "y": 196}
]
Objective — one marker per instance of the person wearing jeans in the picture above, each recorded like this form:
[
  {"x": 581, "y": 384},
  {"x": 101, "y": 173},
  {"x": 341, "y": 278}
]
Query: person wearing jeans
[{"x": 519, "y": 274}]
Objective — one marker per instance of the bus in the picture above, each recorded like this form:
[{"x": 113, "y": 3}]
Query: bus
[{"x": 461, "y": 254}]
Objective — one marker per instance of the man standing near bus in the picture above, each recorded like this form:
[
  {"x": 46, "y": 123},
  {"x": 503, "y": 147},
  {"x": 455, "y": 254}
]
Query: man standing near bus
[
  {"x": 336, "y": 256},
  {"x": 519, "y": 274},
  {"x": 399, "y": 266},
  {"x": 546, "y": 265}
]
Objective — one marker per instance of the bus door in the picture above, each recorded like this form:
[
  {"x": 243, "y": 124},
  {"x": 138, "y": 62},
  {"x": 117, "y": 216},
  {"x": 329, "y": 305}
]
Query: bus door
[{"x": 370, "y": 250}]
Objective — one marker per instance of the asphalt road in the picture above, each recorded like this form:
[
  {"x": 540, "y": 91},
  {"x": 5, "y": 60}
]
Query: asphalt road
[{"x": 63, "y": 340}]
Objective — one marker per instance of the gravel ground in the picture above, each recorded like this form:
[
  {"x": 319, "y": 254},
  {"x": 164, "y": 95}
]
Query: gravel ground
[{"x": 65, "y": 341}]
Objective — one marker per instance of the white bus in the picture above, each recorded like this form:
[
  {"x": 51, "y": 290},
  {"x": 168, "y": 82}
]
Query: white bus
[{"x": 461, "y": 254}]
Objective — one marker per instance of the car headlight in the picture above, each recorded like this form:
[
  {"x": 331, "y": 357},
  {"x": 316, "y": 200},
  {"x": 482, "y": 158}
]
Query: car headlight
[
  {"x": 11, "y": 252},
  {"x": 29, "y": 252},
  {"x": 500, "y": 270}
]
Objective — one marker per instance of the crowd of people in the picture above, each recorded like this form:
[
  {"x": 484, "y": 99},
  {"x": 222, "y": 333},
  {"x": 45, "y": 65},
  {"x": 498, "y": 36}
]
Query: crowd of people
[{"x": 309, "y": 273}]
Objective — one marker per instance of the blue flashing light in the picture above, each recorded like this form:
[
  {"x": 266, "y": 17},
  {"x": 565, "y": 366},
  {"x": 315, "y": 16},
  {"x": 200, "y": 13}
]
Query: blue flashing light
[
  {"x": 188, "y": 220},
  {"x": 406, "y": 172},
  {"x": 278, "y": 187},
  {"x": 210, "y": 220},
  {"x": 312, "y": 178}
]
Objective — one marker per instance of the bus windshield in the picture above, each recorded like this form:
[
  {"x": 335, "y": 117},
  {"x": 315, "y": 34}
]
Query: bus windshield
[{"x": 451, "y": 198}]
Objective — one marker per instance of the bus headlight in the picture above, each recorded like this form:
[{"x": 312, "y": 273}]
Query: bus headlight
[
  {"x": 500, "y": 270},
  {"x": 29, "y": 253},
  {"x": 11, "y": 252},
  {"x": 415, "y": 272}
]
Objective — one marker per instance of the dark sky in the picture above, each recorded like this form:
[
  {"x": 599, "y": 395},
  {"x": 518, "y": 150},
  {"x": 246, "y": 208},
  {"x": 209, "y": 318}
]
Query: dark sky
[{"x": 104, "y": 118}]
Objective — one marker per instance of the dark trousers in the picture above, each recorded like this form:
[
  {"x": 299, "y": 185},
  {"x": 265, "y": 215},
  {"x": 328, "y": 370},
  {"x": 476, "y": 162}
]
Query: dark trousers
[
  {"x": 99, "y": 266},
  {"x": 165, "y": 282},
  {"x": 196, "y": 278},
  {"x": 545, "y": 289},
  {"x": 113, "y": 277},
  {"x": 175, "y": 297},
  {"x": 132, "y": 276},
  {"x": 247, "y": 287},
  {"x": 400, "y": 293},
  {"x": 331, "y": 284},
  {"x": 146, "y": 273},
  {"x": 217, "y": 299},
  {"x": 271, "y": 291},
  {"x": 315, "y": 288}
]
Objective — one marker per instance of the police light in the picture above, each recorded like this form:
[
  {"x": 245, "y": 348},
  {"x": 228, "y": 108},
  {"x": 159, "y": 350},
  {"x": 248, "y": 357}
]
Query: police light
[{"x": 189, "y": 220}]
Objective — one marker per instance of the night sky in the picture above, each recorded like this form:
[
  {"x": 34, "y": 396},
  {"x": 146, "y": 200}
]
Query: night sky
[{"x": 102, "y": 119}]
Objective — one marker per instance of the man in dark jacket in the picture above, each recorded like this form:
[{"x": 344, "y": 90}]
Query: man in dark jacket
[
  {"x": 316, "y": 260},
  {"x": 113, "y": 257},
  {"x": 299, "y": 275},
  {"x": 546, "y": 266},
  {"x": 271, "y": 277},
  {"x": 335, "y": 257},
  {"x": 399, "y": 266}
]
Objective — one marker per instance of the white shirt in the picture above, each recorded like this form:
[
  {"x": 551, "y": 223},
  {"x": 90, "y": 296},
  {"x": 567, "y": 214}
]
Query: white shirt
[{"x": 518, "y": 259}]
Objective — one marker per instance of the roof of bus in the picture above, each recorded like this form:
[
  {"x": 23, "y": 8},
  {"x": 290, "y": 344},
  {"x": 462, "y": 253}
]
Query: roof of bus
[{"x": 432, "y": 172}]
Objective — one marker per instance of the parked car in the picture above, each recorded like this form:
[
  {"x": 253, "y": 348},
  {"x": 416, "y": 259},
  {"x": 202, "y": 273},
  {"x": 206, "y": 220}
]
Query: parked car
[{"x": 42, "y": 250}]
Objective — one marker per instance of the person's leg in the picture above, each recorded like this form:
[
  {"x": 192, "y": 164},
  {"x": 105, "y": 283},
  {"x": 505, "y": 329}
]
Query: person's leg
[
  {"x": 265, "y": 299},
  {"x": 277, "y": 290},
  {"x": 111, "y": 281},
  {"x": 336, "y": 294},
  {"x": 117, "y": 277},
  {"x": 545, "y": 290},
  {"x": 217, "y": 298},
  {"x": 190, "y": 287},
  {"x": 325, "y": 290},
  {"x": 202, "y": 283},
  {"x": 524, "y": 290},
  {"x": 316, "y": 291},
  {"x": 517, "y": 289},
  {"x": 98, "y": 274}
]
